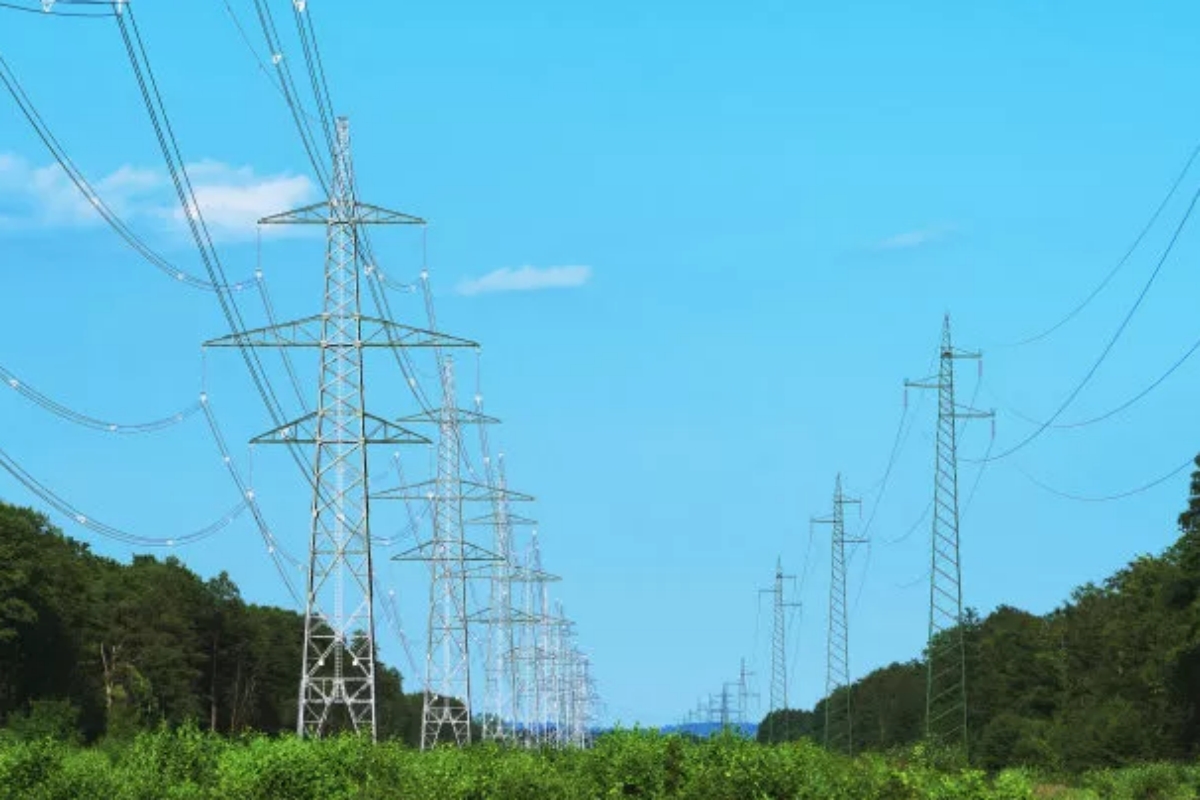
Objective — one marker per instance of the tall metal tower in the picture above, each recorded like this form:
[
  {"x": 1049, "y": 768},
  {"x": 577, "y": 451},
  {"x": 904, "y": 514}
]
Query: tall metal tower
[
  {"x": 837, "y": 669},
  {"x": 779, "y": 681},
  {"x": 502, "y": 615},
  {"x": 447, "y": 707},
  {"x": 946, "y": 678},
  {"x": 447, "y": 701},
  {"x": 337, "y": 678},
  {"x": 744, "y": 693}
]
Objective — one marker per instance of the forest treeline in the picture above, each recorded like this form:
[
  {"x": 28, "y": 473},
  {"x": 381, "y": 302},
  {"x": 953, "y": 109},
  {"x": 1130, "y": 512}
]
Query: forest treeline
[
  {"x": 1111, "y": 677},
  {"x": 90, "y": 646}
]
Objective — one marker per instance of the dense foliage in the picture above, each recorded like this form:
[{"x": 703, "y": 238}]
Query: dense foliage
[
  {"x": 90, "y": 646},
  {"x": 190, "y": 764},
  {"x": 1110, "y": 678}
]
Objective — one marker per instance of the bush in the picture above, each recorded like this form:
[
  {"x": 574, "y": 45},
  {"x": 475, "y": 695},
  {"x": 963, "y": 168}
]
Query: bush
[{"x": 187, "y": 764}]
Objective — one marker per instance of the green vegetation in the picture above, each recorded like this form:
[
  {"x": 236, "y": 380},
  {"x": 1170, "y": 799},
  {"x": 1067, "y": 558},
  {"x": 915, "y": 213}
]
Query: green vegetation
[
  {"x": 190, "y": 764},
  {"x": 187, "y": 763}
]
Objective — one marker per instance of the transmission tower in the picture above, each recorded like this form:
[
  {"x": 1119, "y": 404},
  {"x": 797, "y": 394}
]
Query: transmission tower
[
  {"x": 729, "y": 710},
  {"x": 779, "y": 681},
  {"x": 837, "y": 670},
  {"x": 338, "y": 666},
  {"x": 447, "y": 704},
  {"x": 946, "y": 680},
  {"x": 744, "y": 693},
  {"x": 502, "y": 674}
]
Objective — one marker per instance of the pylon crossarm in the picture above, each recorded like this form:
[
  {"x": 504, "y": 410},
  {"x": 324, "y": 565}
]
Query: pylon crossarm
[
  {"x": 491, "y": 519},
  {"x": 460, "y": 417},
  {"x": 425, "y": 551},
  {"x": 964, "y": 412},
  {"x": 527, "y": 575},
  {"x": 305, "y": 430},
  {"x": 310, "y": 332},
  {"x": 359, "y": 214},
  {"x": 470, "y": 492}
]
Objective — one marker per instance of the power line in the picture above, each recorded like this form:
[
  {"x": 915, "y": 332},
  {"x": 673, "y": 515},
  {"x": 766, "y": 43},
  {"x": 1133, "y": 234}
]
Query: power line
[
  {"x": 1110, "y": 497},
  {"x": 63, "y": 412},
  {"x": 1111, "y": 342},
  {"x": 46, "y": 9},
  {"x": 1117, "y": 409},
  {"x": 1120, "y": 263},
  {"x": 76, "y": 176},
  {"x": 66, "y": 508},
  {"x": 169, "y": 147}
]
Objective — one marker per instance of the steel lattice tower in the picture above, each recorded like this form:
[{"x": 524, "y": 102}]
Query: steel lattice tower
[
  {"x": 946, "y": 679},
  {"x": 503, "y": 679},
  {"x": 779, "y": 681},
  {"x": 744, "y": 693},
  {"x": 338, "y": 668},
  {"x": 447, "y": 702},
  {"x": 837, "y": 666}
]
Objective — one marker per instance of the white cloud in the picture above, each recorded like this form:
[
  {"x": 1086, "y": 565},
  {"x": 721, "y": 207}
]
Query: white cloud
[
  {"x": 232, "y": 199},
  {"x": 917, "y": 238},
  {"x": 526, "y": 279}
]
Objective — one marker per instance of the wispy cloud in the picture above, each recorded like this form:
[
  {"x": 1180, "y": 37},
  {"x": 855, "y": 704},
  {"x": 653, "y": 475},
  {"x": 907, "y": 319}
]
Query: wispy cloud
[
  {"x": 231, "y": 199},
  {"x": 917, "y": 238},
  {"x": 526, "y": 279}
]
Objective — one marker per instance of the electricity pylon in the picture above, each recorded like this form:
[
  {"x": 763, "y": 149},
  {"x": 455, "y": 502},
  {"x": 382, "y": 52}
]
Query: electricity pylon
[
  {"x": 779, "y": 681},
  {"x": 946, "y": 671},
  {"x": 744, "y": 693},
  {"x": 729, "y": 710},
  {"x": 838, "y": 729},
  {"x": 502, "y": 677},
  {"x": 447, "y": 704},
  {"x": 338, "y": 661}
]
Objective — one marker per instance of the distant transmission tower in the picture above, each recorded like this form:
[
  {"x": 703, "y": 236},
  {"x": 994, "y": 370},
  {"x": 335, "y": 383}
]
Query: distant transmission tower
[
  {"x": 946, "y": 679},
  {"x": 779, "y": 680},
  {"x": 502, "y": 675},
  {"x": 337, "y": 678},
  {"x": 837, "y": 671},
  {"x": 744, "y": 694}
]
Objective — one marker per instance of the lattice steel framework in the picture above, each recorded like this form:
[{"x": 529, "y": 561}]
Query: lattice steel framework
[
  {"x": 946, "y": 678},
  {"x": 779, "y": 680},
  {"x": 337, "y": 680},
  {"x": 838, "y": 728},
  {"x": 447, "y": 702},
  {"x": 447, "y": 706},
  {"x": 502, "y": 676},
  {"x": 744, "y": 693}
]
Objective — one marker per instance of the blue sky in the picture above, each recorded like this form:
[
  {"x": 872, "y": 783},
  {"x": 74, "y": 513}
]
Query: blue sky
[{"x": 774, "y": 203}]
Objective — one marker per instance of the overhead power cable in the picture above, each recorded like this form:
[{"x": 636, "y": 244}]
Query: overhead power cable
[
  {"x": 63, "y": 412},
  {"x": 1043, "y": 427},
  {"x": 169, "y": 145},
  {"x": 1108, "y": 497},
  {"x": 274, "y": 550},
  {"x": 1120, "y": 263},
  {"x": 1112, "y": 412},
  {"x": 106, "y": 212},
  {"x": 47, "y": 9},
  {"x": 288, "y": 86},
  {"x": 64, "y": 507}
]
